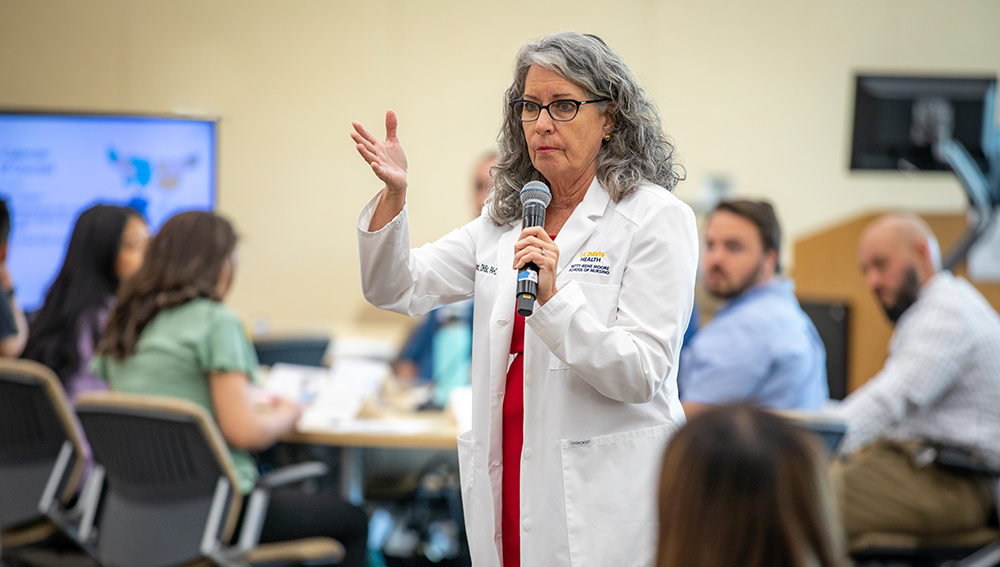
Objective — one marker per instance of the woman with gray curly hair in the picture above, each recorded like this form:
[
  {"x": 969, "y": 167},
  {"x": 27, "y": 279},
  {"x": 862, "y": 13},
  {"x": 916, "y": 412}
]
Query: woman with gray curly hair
[{"x": 575, "y": 402}]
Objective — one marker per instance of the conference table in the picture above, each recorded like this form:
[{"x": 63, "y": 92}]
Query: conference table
[
  {"x": 430, "y": 430},
  {"x": 425, "y": 430},
  {"x": 357, "y": 406}
]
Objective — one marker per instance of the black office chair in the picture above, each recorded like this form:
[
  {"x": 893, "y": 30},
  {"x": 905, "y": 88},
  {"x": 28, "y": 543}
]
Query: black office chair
[
  {"x": 171, "y": 496},
  {"x": 41, "y": 456}
]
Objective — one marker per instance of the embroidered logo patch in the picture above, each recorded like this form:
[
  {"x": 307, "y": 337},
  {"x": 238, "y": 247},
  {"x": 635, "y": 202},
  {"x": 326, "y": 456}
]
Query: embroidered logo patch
[{"x": 591, "y": 263}]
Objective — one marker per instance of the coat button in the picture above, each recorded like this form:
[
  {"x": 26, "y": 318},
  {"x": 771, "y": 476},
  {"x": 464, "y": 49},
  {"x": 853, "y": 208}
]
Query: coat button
[
  {"x": 526, "y": 524},
  {"x": 494, "y": 464},
  {"x": 527, "y": 453}
]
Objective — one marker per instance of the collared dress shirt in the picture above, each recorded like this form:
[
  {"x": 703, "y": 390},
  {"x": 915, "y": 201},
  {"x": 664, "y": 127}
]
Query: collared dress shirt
[
  {"x": 760, "y": 348},
  {"x": 941, "y": 380}
]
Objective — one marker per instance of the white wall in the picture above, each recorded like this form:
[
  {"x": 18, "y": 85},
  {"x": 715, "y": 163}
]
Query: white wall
[{"x": 760, "y": 92}]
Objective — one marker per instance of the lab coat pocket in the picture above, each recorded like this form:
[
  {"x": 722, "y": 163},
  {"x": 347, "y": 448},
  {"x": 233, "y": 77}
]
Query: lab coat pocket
[{"x": 610, "y": 485}]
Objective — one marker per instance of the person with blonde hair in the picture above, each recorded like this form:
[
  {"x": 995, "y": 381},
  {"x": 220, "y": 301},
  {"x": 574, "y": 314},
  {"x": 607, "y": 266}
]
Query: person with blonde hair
[{"x": 742, "y": 486}]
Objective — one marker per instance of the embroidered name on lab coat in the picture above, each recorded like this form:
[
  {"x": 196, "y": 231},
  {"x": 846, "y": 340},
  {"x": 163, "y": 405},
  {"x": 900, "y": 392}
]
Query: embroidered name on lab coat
[
  {"x": 486, "y": 269},
  {"x": 591, "y": 263},
  {"x": 579, "y": 442}
]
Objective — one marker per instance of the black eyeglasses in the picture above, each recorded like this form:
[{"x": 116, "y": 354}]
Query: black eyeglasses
[{"x": 559, "y": 110}]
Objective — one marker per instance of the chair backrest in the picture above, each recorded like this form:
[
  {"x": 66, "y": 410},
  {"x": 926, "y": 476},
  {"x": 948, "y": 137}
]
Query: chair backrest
[
  {"x": 36, "y": 424},
  {"x": 306, "y": 351},
  {"x": 165, "y": 464},
  {"x": 832, "y": 321}
]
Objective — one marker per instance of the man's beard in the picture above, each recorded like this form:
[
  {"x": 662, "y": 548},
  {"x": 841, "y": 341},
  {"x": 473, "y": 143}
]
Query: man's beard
[
  {"x": 751, "y": 280},
  {"x": 906, "y": 296}
]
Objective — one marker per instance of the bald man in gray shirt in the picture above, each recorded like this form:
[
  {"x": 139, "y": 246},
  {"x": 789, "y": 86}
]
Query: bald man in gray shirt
[{"x": 939, "y": 389}]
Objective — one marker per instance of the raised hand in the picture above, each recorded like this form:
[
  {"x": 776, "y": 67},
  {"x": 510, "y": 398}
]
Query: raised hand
[{"x": 386, "y": 158}]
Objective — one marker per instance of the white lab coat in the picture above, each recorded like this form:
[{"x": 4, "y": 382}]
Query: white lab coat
[{"x": 600, "y": 368}]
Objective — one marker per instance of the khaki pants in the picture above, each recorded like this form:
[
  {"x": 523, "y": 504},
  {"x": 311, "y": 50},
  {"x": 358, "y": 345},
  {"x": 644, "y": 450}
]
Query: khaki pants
[{"x": 881, "y": 489}]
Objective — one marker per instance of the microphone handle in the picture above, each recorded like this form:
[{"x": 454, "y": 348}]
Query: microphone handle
[
  {"x": 534, "y": 215},
  {"x": 527, "y": 289}
]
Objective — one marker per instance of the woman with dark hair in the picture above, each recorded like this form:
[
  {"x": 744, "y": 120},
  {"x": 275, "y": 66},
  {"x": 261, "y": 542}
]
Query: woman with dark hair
[
  {"x": 170, "y": 335},
  {"x": 106, "y": 247},
  {"x": 575, "y": 386},
  {"x": 741, "y": 486}
]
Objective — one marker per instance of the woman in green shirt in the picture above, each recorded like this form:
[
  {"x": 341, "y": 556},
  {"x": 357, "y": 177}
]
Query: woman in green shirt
[{"x": 170, "y": 335}]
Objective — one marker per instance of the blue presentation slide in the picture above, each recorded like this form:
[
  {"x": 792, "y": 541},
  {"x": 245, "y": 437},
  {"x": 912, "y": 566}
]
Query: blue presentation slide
[{"x": 52, "y": 167}]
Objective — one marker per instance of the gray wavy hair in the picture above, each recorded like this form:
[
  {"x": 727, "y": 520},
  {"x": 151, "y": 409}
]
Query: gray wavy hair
[{"x": 638, "y": 150}]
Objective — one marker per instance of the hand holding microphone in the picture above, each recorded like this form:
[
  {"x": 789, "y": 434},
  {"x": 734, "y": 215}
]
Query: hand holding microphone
[{"x": 534, "y": 252}]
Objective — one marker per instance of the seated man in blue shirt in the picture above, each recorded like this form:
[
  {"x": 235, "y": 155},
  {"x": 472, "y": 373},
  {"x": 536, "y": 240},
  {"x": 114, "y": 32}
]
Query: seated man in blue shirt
[{"x": 760, "y": 347}]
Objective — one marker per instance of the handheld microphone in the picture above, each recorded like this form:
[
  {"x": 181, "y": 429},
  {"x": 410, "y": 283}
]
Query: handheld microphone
[{"x": 535, "y": 196}]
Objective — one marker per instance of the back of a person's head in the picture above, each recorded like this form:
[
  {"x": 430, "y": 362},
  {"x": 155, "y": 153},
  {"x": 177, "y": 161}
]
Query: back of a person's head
[
  {"x": 184, "y": 261},
  {"x": 741, "y": 486},
  {"x": 85, "y": 283}
]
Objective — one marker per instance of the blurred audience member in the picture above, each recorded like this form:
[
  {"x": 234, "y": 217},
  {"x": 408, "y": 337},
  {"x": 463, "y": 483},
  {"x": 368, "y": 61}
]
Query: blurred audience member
[
  {"x": 440, "y": 347},
  {"x": 938, "y": 392},
  {"x": 13, "y": 326},
  {"x": 760, "y": 347},
  {"x": 170, "y": 335},
  {"x": 106, "y": 247},
  {"x": 741, "y": 486}
]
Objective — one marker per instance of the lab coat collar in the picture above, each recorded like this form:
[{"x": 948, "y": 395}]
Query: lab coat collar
[{"x": 581, "y": 224}]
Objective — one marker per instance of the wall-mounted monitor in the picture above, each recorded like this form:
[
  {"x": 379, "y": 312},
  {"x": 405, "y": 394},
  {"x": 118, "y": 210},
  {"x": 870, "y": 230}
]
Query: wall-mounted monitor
[
  {"x": 890, "y": 114},
  {"x": 53, "y": 165}
]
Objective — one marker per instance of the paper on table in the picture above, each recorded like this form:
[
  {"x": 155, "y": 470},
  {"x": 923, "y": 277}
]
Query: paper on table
[
  {"x": 340, "y": 396},
  {"x": 365, "y": 376},
  {"x": 295, "y": 382}
]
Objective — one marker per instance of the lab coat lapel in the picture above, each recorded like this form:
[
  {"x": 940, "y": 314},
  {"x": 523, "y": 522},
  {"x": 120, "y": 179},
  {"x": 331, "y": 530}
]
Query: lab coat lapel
[{"x": 581, "y": 224}]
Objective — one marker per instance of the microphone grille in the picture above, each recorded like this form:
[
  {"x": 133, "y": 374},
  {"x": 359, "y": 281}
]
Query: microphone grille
[{"x": 536, "y": 191}]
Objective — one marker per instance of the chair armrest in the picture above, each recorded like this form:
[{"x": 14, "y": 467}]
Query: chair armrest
[
  {"x": 49, "y": 504},
  {"x": 256, "y": 506},
  {"x": 77, "y": 522},
  {"x": 309, "y": 551},
  {"x": 292, "y": 474}
]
